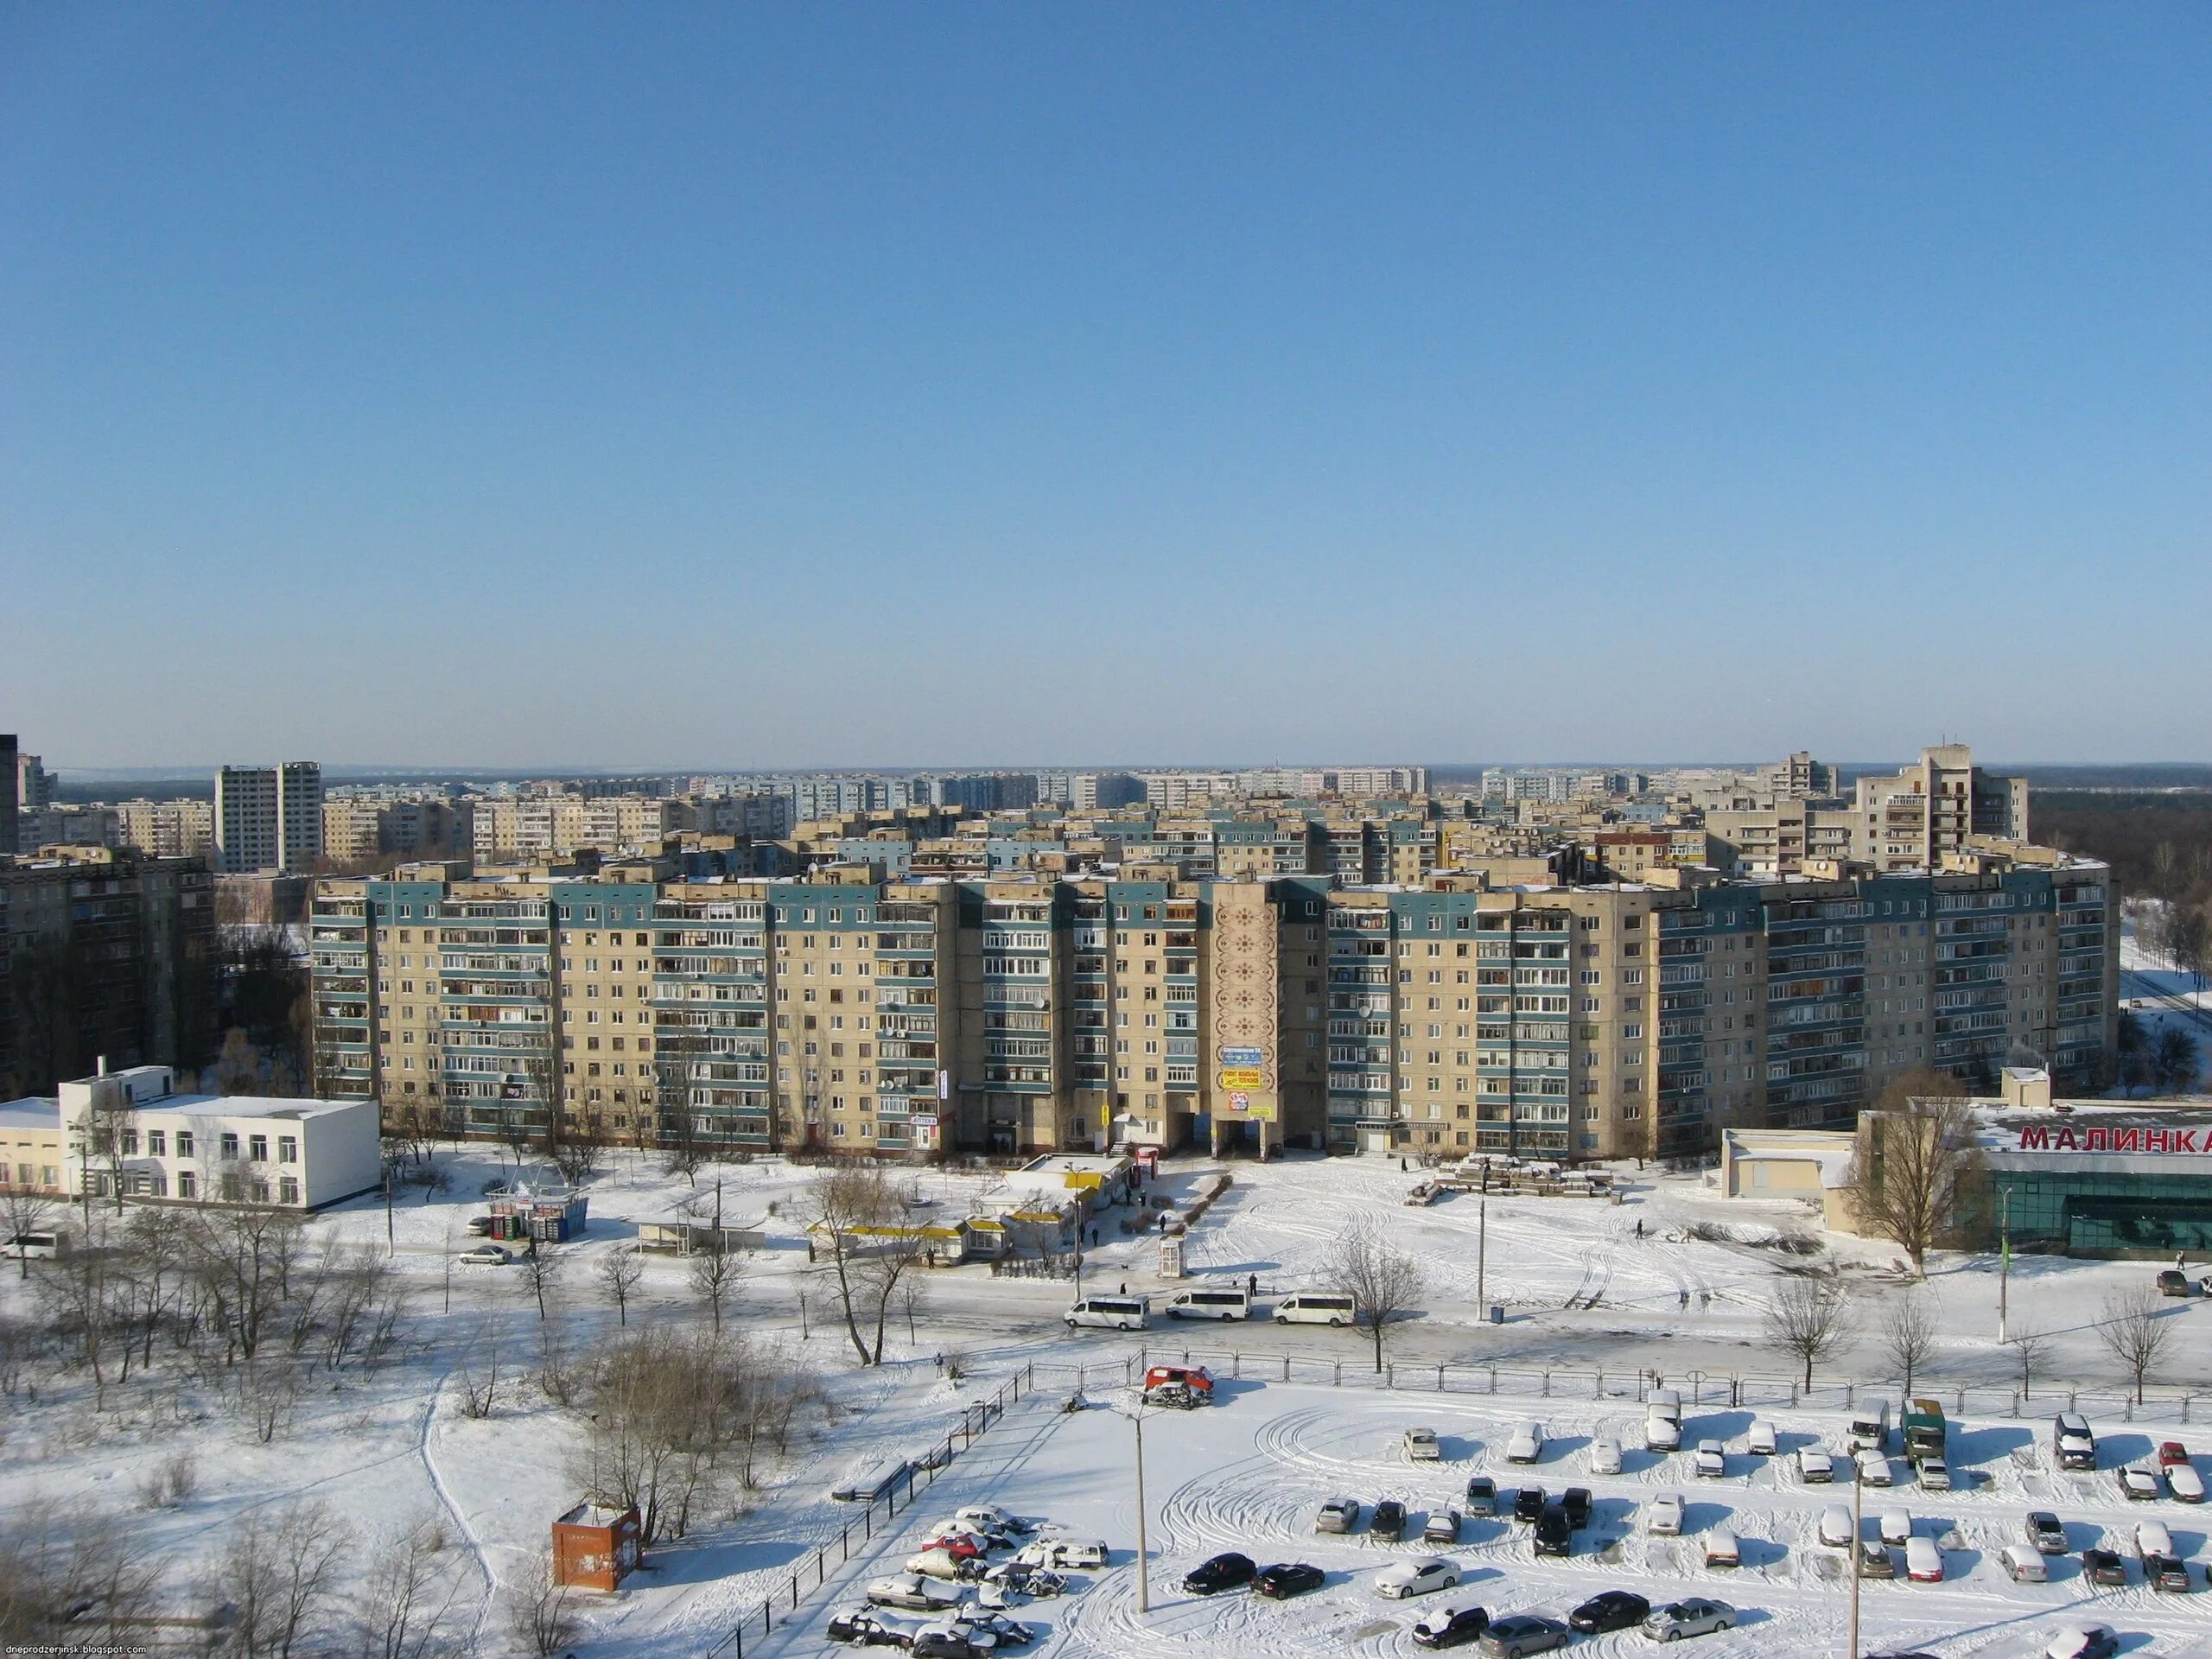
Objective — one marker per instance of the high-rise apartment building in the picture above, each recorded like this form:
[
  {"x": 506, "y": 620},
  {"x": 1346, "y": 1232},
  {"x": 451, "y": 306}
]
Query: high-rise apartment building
[
  {"x": 1149, "y": 1005},
  {"x": 9, "y": 784},
  {"x": 34, "y": 783},
  {"x": 183, "y": 829},
  {"x": 1931, "y": 807},
  {"x": 268, "y": 818}
]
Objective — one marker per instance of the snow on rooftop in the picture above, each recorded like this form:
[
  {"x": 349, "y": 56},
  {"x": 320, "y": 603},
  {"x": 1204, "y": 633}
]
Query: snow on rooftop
[{"x": 31, "y": 1112}]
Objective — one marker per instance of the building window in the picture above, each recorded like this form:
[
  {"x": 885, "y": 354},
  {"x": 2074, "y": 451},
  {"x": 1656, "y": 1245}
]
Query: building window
[
  {"x": 229, "y": 1144},
  {"x": 187, "y": 1183},
  {"x": 258, "y": 1148},
  {"x": 184, "y": 1144},
  {"x": 288, "y": 1149},
  {"x": 288, "y": 1190}
]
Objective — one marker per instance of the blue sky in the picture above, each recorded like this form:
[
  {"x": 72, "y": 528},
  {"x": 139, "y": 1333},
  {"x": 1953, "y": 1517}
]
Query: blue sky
[{"x": 781, "y": 385}]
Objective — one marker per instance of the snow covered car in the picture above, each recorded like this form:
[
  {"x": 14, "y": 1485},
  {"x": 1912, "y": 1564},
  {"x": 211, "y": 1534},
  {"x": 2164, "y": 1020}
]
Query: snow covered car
[
  {"x": 2168, "y": 1572},
  {"x": 938, "y": 1563},
  {"x": 1662, "y": 1433},
  {"x": 1338, "y": 1515},
  {"x": 1814, "y": 1467},
  {"x": 865, "y": 1627},
  {"x": 1519, "y": 1635},
  {"x": 1004, "y": 1632},
  {"x": 1604, "y": 1456},
  {"x": 1196, "y": 1378},
  {"x": 1709, "y": 1462},
  {"x": 2138, "y": 1483},
  {"x": 1404, "y": 1579},
  {"x": 1721, "y": 1548},
  {"x": 2151, "y": 1538},
  {"x": 2023, "y": 1564},
  {"x": 1062, "y": 1553},
  {"x": 1694, "y": 1616},
  {"x": 1481, "y": 1495},
  {"x": 1441, "y": 1527},
  {"x": 913, "y": 1591},
  {"x": 1874, "y": 1560},
  {"x": 1934, "y": 1475},
  {"x": 2186, "y": 1484},
  {"x": 1527, "y": 1444},
  {"x": 1450, "y": 1626},
  {"x": 949, "y": 1641},
  {"x": 2082, "y": 1642},
  {"x": 1836, "y": 1530},
  {"x": 989, "y": 1517},
  {"x": 1878, "y": 1471},
  {"x": 1759, "y": 1442},
  {"x": 1421, "y": 1446},
  {"x": 1923, "y": 1563},
  {"x": 1895, "y": 1525},
  {"x": 1662, "y": 1517}
]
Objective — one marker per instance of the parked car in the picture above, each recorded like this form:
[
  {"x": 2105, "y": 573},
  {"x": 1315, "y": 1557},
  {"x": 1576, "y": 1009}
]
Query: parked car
[
  {"x": 485, "y": 1255},
  {"x": 1441, "y": 1527},
  {"x": 1219, "y": 1572},
  {"x": 938, "y": 1563},
  {"x": 2167, "y": 1573},
  {"x": 1287, "y": 1578},
  {"x": 1338, "y": 1515},
  {"x": 989, "y": 1517},
  {"x": 2023, "y": 1564},
  {"x": 1555, "y": 1531},
  {"x": 1665, "y": 1403},
  {"x": 864, "y": 1627},
  {"x": 2185, "y": 1483},
  {"x": 2047, "y": 1533},
  {"x": 1760, "y": 1440},
  {"x": 2083, "y": 1642},
  {"x": 1404, "y": 1579},
  {"x": 1389, "y": 1521},
  {"x": 1709, "y": 1462},
  {"x": 1482, "y": 1495},
  {"x": 1520, "y": 1634},
  {"x": 1814, "y": 1467},
  {"x": 2103, "y": 1567},
  {"x": 2072, "y": 1442},
  {"x": 1604, "y": 1456},
  {"x": 948, "y": 1641},
  {"x": 1610, "y": 1610},
  {"x": 2171, "y": 1452},
  {"x": 2174, "y": 1282},
  {"x": 1662, "y": 1517},
  {"x": 1721, "y": 1548},
  {"x": 1874, "y": 1560},
  {"x": 1934, "y": 1475},
  {"x": 2151, "y": 1538},
  {"x": 479, "y": 1227},
  {"x": 1835, "y": 1527},
  {"x": 995, "y": 1627},
  {"x": 1695, "y": 1616},
  {"x": 1196, "y": 1378},
  {"x": 1894, "y": 1525},
  {"x": 1923, "y": 1563},
  {"x": 1527, "y": 1444},
  {"x": 2138, "y": 1483},
  {"x": 912, "y": 1590},
  {"x": 1578, "y": 1503},
  {"x": 1662, "y": 1433},
  {"x": 1878, "y": 1471},
  {"x": 1527, "y": 1504},
  {"x": 1421, "y": 1446},
  {"x": 1450, "y": 1626},
  {"x": 1059, "y": 1553}
]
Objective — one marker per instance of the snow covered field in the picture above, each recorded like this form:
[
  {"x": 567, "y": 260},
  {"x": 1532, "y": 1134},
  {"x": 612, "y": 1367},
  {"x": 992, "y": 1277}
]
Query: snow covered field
[{"x": 382, "y": 1449}]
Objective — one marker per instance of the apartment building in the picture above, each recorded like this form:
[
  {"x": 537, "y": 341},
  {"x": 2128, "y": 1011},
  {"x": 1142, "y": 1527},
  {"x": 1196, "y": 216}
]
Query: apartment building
[
  {"x": 183, "y": 829},
  {"x": 103, "y": 951},
  {"x": 1930, "y": 809},
  {"x": 268, "y": 818},
  {"x": 34, "y": 783},
  {"x": 10, "y": 783},
  {"x": 359, "y": 827}
]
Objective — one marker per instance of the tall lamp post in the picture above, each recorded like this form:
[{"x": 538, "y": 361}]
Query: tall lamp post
[
  {"x": 1858, "y": 1501},
  {"x": 1144, "y": 1576}
]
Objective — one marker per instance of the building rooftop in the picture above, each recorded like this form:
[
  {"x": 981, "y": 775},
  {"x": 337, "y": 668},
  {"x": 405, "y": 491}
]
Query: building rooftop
[{"x": 31, "y": 1112}]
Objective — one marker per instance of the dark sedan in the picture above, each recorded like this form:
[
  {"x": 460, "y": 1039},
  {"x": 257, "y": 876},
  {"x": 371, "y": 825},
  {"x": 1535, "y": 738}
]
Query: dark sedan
[
  {"x": 2167, "y": 1573},
  {"x": 1578, "y": 1506},
  {"x": 1527, "y": 1504},
  {"x": 1287, "y": 1578},
  {"x": 866, "y": 1628},
  {"x": 2103, "y": 1567},
  {"x": 1555, "y": 1531},
  {"x": 1614, "y": 1610},
  {"x": 1222, "y": 1573},
  {"x": 1389, "y": 1521}
]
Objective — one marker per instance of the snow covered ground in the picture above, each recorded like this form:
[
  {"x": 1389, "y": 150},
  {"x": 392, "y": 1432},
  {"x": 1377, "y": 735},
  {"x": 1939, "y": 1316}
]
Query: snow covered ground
[
  {"x": 2160, "y": 994},
  {"x": 384, "y": 1448}
]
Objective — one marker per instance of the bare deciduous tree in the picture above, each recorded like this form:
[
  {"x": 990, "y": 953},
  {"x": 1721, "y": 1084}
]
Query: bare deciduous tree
[
  {"x": 2032, "y": 1347},
  {"x": 25, "y": 1210},
  {"x": 714, "y": 1275},
  {"x": 859, "y": 1217},
  {"x": 404, "y": 1606},
  {"x": 1382, "y": 1280},
  {"x": 278, "y": 1571},
  {"x": 539, "y": 1612},
  {"x": 1908, "y": 1335},
  {"x": 478, "y": 1368},
  {"x": 621, "y": 1271},
  {"x": 59, "y": 1561},
  {"x": 1806, "y": 1319},
  {"x": 541, "y": 1266},
  {"x": 2135, "y": 1331},
  {"x": 1916, "y": 1154}
]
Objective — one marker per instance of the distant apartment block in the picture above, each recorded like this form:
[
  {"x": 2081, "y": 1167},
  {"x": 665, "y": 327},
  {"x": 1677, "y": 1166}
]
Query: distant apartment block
[
  {"x": 11, "y": 782},
  {"x": 268, "y": 818},
  {"x": 183, "y": 829}
]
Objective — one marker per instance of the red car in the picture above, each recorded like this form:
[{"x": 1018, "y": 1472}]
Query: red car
[
  {"x": 961, "y": 1546},
  {"x": 1196, "y": 1378},
  {"x": 2171, "y": 1452}
]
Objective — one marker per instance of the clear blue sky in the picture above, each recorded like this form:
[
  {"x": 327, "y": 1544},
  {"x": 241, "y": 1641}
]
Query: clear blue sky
[{"x": 754, "y": 385}]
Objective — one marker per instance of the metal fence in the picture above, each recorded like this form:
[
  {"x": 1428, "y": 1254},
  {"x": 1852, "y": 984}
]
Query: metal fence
[
  {"x": 1697, "y": 1387},
  {"x": 809, "y": 1574}
]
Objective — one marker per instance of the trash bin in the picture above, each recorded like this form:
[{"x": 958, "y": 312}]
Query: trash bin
[{"x": 1498, "y": 1313}]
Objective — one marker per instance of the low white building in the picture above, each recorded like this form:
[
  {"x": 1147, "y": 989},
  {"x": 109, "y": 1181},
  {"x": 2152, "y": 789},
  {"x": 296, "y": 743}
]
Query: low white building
[{"x": 131, "y": 1128}]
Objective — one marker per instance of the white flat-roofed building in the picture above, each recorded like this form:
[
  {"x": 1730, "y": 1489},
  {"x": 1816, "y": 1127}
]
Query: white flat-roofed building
[{"x": 132, "y": 1129}]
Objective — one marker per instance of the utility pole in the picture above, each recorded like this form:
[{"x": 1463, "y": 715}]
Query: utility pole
[
  {"x": 390, "y": 1247},
  {"x": 1482, "y": 1255},
  {"x": 1144, "y": 1579},
  {"x": 1858, "y": 1500},
  {"x": 2003, "y": 1261}
]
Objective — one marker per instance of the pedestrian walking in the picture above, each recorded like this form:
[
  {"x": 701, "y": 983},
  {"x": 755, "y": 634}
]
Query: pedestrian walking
[
  {"x": 1639, "y": 1227},
  {"x": 1125, "y": 1287},
  {"x": 1704, "y": 1300},
  {"x": 1251, "y": 1284},
  {"x": 1685, "y": 1299}
]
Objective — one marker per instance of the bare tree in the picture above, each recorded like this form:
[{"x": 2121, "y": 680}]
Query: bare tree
[
  {"x": 1806, "y": 1319},
  {"x": 1915, "y": 1155},
  {"x": 913, "y": 1295},
  {"x": 403, "y": 1607},
  {"x": 2134, "y": 1331},
  {"x": 621, "y": 1271},
  {"x": 540, "y": 1614},
  {"x": 25, "y": 1210},
  {"x": 64, "y": 1561},
  {"x": 1909, "y": 1336},
  {"x": 541, "y": 1266},
  {"x": 479, "y": 1368},
  {"x": 858, "y": 1217},
  {"x": 1382, "y": 1280},
  {"x": 2033, "y": 1347},
  {"x": 714, "y": 1275},
  {"x": 279, "y": 1571}
]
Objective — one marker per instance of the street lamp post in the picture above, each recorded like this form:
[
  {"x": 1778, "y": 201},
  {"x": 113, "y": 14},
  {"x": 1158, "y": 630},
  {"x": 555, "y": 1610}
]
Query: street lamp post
[
  {"x": 1858, "y": 1501},
  {"x": 1144, "y": 1579}
]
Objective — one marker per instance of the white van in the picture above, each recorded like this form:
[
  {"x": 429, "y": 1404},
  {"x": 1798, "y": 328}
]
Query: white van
[
  {"x": 1210, "y": 1304},
  {"x": 1923, "y": 1563},
  {"x": 1662, "y": 1433},
  {"x": 35, "y": 1247},
  {"x": 1722, "y": 1550},
  {"x": 1665, "y": 1403},
  {"x": 1314, "y": 1307},
  {"x": 1111, "y": 1312}
]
